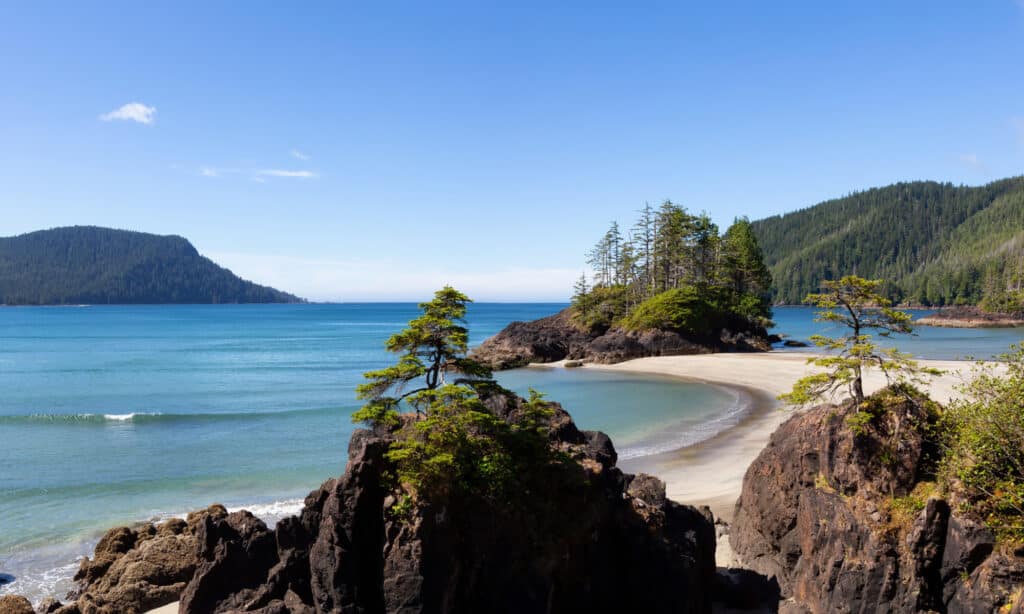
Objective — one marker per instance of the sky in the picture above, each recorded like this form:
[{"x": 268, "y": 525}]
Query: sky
[{"x": 376, "y": 151}]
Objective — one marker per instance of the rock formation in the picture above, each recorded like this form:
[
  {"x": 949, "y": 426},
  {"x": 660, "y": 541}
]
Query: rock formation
[
  {"x": 556, "y": 338},
  {"x": 612, "y": 543},
  {"x": 967, "y": 316},
  {"x": 819, "y": 513},
  {"x": 134, "y": 570},
  {"x": 15, "y": 604}
]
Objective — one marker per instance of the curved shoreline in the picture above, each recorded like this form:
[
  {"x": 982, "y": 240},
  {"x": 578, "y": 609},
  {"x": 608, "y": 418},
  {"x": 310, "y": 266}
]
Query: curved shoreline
[{"x": 710, "y": 472}]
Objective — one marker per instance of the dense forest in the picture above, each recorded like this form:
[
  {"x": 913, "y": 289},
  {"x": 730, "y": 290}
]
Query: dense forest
[
  {"x": 674, "y": 270},
  {"x": 90, "y": 265},
  {"x": 934, "y": 243}
]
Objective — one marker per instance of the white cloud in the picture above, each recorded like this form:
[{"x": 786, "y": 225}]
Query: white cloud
[
  {"x": 383, "y": 280},
  {"x": 275, "y": 172},
  {"x": 972, "y": 160},
  {"x": 258, "y": 175},
  {"x": 133, "y": 111},
  {"x": 301, "y": 156}
]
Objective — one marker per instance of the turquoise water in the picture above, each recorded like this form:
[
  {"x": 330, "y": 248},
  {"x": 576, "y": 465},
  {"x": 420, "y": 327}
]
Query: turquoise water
[
  {"x": 926, "y": 342},
  {"x": 114, "y": 414}
]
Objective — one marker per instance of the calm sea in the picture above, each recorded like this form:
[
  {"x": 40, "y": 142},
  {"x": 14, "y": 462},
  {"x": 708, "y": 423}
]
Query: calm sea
[{"x": 114, "y": 414}]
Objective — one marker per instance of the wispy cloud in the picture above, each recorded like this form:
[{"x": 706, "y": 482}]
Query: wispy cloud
[
  {"x": 298, "y": 155},
  {"x": 258, "y": 175},
  {"x": 972, "y": 160},
  {"x": 133, "y": 112},
  {"x": 276, "y": 172}
]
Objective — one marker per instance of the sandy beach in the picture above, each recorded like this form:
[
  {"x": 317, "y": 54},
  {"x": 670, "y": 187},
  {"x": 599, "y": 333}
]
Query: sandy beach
[{"x": 711, "y": 472}]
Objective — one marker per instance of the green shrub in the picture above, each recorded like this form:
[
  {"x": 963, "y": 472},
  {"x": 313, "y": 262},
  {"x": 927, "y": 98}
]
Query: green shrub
[
  {"x": 600, "y": 308},
  {"x": 688, "y": 309},
  {"x": 983, "y": 439},
  {"x": 458, "y": 449}
]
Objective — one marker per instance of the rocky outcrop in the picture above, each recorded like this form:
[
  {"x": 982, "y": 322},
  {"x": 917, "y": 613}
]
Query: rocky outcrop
[
  {"x": 15, "y": 604},
  {"x": 602, "y": 541},
  {"x": 971, "y": 317},
  {"x": 820, "y": 512},
  {"x": 557, "y": 337},
  {"x": 134, "y": 570}
]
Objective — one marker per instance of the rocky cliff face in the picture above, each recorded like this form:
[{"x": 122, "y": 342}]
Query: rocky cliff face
[
  {"x": 612, "y": 544},
  {"x": 556, "y": 338},
  {"x": 602, "y": 541},
  {"x": 820, "y": 511}
]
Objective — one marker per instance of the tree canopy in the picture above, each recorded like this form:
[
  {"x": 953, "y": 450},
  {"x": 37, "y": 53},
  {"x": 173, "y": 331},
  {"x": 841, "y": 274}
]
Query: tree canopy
[
  {"x": 90, "y": 265},
  {"x": 934, "y": 243},
  {"x": 673, "y": 252}
]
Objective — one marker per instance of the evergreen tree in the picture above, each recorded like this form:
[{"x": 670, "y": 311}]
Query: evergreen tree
[
  {"x": 643, "y": 236},
  {"x": 431, "y": 348},
  {"x": 855, "y": 303},
  {"x": 742, "y": 262}
]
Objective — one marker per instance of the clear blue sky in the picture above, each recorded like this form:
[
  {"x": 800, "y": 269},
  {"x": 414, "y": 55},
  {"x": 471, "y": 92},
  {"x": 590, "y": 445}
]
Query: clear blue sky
[{"x": 375, "y": 151}]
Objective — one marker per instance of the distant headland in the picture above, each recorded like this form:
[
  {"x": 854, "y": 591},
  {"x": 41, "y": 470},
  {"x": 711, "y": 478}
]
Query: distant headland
[{"x": 91, "y": 265}]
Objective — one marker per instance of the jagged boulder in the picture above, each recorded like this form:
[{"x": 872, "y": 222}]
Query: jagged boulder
[
  {"x": 557, "y": 337},
  {"x": 134, "y": 570},
  {"x": 817, "y": 514},
  {"x": 15, "y": 604},
  {"x": 597, "y": 541}
]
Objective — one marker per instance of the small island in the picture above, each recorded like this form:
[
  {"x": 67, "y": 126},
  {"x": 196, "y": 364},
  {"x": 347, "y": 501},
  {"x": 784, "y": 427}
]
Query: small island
[
  {"x": 972, "y": 317},
  {"x": 673, "y": 285}
]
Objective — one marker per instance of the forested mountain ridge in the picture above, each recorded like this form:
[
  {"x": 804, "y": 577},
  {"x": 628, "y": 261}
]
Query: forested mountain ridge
[
  {"x": 93, "y": 265},
  {"x": 934, "y": 243}
]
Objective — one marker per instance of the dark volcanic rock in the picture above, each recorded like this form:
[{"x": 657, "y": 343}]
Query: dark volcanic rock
[
  {"x": 602, "y": 541},
  {"x": 815, "y": 515},
  {"x": 556, "y": 338},
  {"x": 794, "y": 343}
]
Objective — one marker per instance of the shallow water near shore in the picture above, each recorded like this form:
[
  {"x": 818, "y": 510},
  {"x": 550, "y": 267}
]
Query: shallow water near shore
[{"x": 113, "y": 415}]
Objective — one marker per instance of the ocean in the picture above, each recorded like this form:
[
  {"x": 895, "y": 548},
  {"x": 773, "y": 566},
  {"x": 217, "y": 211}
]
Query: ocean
[{"x": 118, "y": 414}]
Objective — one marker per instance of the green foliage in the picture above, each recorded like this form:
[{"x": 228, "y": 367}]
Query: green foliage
[
  {"x": 453, "y": 447},
  {"x": 855, "y": 303},
  {"x": 984, "y": 445},
  {"x": 432, "y": 347},
  {"x": 937, "y": 243},
  {"x": 903, "y": 510},
  {"x": 673, "y": 260},
  {"x": 460, "y": 449},
  {"x": 687, "y": 309},
  {"x": 90, "y": 265},
  {"x": 600, "y": 308}
]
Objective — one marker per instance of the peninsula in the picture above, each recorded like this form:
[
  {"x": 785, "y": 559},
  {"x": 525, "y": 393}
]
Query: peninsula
[{"x": 79, "y": 265}]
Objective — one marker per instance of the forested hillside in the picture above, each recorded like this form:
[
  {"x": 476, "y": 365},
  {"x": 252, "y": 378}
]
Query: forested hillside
[
  {"x": 935, "y": 243},
  {"x": 90, "y": 265}
]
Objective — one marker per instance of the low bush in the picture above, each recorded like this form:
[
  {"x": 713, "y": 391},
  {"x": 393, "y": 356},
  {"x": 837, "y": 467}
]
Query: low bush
[{"x": 983, "y": 446}]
